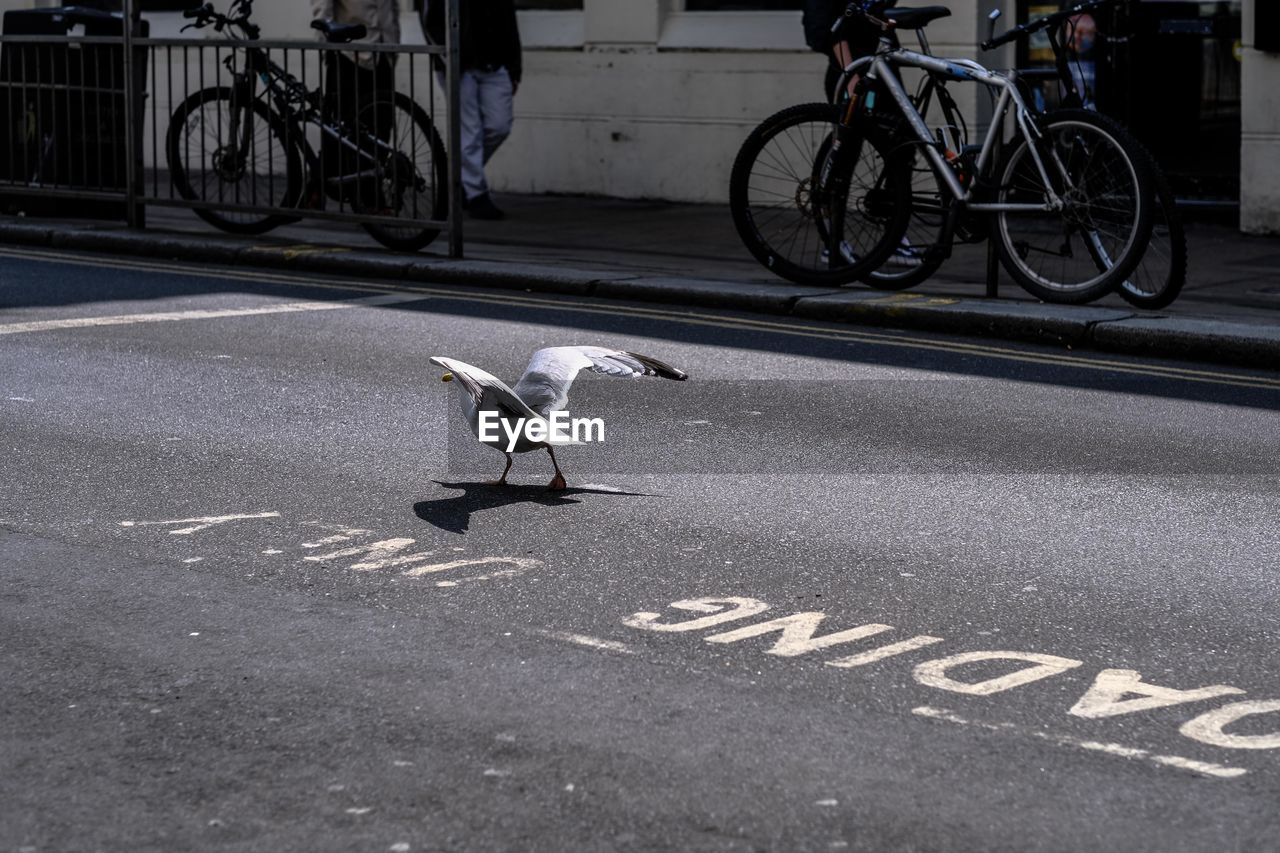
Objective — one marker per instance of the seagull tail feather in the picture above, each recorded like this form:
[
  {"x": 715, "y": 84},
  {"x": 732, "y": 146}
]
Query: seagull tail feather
[{"x": 654, "y": 367}]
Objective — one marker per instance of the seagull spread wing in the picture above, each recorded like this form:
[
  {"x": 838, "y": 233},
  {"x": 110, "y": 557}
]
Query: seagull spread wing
[
  {"x": 544, "y": 387},
  {"x": 487, "y": 391}
]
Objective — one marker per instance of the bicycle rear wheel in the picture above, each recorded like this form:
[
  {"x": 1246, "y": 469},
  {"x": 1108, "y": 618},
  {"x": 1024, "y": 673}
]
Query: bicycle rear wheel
[
  {"x": 409, "y": 175},
  {"x": 1086, "y": 249},
  {"x": 1159, "y": 277},
  {"x": 787, "y": 216},
  {"x": 225, "y": 152}
]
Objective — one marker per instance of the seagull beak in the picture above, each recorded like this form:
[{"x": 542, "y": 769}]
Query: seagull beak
[{"x": 448, "y": 377}]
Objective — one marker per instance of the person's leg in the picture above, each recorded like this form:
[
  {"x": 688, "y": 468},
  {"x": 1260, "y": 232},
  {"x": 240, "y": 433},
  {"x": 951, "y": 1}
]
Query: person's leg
[
  {"x": 831, "y": 78},
  {"x": 368, "y": 111},
  {"x": 472, "y": 155},
  {"x": 336, "y": 73},
  {"x": 382, "y": 92},
  {"x": 496, "y": 109},
  {"x": 493, "y": 101},
  {"x": 841, "y": 56}
]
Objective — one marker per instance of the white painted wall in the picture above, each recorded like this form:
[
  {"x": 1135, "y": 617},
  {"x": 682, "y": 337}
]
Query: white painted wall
[
  {"x": 654, "y": 103},
  {"x": 1260, "y": 137}
]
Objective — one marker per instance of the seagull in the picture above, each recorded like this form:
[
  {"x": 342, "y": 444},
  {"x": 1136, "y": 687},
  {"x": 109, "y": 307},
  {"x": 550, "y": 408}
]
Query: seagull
[{"x": 543, "y": 389}]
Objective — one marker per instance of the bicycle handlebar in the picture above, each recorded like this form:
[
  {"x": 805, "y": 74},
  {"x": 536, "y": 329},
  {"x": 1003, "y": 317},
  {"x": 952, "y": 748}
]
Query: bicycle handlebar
[
  {"x": 867, "y": 10},
  {"x": 206, "y": 14},
  {"x": 1044, "y": 23}
]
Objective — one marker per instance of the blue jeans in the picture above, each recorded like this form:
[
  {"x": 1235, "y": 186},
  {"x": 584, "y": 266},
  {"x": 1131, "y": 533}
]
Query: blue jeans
[{"x": 485, "y": 109}]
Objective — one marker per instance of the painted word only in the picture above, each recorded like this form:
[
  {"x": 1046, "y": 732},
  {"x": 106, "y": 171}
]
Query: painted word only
[{"x": 1114, "y": 692}]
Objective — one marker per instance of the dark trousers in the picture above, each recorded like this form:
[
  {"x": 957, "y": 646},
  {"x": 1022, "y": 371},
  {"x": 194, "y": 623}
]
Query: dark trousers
[
  {"x": 832, "y": 78},
  {"x": 360, "y": 98}
]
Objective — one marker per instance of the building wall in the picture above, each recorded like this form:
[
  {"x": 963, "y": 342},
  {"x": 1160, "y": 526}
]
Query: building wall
[
  {"x": 635, "y": 98},
  {"x": 625, "y": 98},
  {"x": 654, "y": 102},
  {"x": 1260, "y": 137},
  {"x": 640, "y": 99}
]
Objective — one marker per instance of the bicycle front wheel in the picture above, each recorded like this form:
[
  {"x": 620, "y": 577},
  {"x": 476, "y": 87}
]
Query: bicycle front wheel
[
  {"x": 407, "y": 169},
  {"x": 235, "y": 154},
  {"x": 918, "y": 254},
  {"x": 1087, "y": 248},
  {"x": 801, "y": 229}
]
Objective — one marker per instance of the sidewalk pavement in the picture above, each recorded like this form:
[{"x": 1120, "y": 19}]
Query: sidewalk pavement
[{"x": 689, "y": 254}]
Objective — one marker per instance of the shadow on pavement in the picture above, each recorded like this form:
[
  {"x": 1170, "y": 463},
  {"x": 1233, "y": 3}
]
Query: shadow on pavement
[
  {"x": 454, "y": 513},
  {"x": 41, "y": 283}
]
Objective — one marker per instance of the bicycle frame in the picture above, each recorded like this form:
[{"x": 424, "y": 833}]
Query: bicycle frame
[
  {"x": 882, "y": 67},
  {"x": 293, "y": 102}
]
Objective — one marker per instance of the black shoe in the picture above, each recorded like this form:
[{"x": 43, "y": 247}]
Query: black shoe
[{"x": 482, "y": 207}]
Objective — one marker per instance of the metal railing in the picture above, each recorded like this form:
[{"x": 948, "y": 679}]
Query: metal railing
[{"x": 249, "y": 134}]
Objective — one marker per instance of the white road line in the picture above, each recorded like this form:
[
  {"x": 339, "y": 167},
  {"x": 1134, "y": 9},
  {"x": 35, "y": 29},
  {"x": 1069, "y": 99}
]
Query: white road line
[
  {"x": 203, "y": 314},
  {"x": 1203, "y": 767},
  {"x": 1199, "y": 766},
  {"x": 590, "y": 642},
  {"x": 683, "y": 316},
  {"x": 201, "y": 523}
]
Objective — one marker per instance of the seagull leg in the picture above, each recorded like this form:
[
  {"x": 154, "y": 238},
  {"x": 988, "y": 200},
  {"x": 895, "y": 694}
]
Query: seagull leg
[
  {"x": 502, "y": 481},
  {"x": 557, "y": 484}
]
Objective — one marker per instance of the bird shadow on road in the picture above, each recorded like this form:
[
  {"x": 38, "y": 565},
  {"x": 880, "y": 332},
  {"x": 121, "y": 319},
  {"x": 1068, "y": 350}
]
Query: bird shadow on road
[{"x": 454, "y": 513}]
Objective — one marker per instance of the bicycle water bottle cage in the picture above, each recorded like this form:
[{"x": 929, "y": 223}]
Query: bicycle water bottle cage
[{"x": 336, "y": 33}]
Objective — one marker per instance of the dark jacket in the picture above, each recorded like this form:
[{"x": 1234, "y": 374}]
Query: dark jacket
[{"x": 489, "y": 36}]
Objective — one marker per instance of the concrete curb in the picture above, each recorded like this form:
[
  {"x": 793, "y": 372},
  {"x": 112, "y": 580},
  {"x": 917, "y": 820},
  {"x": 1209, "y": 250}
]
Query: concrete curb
[
  {"x": 1082, "y": 327},
  {"x": 1028, "y": 321}
]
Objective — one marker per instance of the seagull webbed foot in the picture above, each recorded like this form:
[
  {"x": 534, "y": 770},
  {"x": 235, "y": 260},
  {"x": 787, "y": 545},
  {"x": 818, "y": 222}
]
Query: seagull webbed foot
[{"x": 557, "y": 484}]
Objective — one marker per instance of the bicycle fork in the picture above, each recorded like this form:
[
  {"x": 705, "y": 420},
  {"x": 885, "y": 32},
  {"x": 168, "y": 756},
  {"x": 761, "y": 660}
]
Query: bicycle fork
[{"x": 832, "y": 191}]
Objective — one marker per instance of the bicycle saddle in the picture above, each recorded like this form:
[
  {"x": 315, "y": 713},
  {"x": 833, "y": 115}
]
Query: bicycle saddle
[
  {"x": 915, "y": 19},
  {"x": 336, "y": 33}
]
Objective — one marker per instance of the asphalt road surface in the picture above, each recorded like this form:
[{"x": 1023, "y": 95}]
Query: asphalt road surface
[{"x": 845, "y": 589}]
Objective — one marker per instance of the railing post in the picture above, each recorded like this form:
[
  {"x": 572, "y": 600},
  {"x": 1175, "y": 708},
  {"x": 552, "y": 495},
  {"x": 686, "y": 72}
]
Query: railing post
[
  {"x": 453, "y": 81},
  {"x": 133, "y": 155}
]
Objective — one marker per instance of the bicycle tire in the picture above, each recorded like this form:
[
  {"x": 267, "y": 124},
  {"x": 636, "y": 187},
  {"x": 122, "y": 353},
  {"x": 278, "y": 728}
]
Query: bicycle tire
[
  {"x": 1130, "y": 211},
  {"x": 428, "y": 154},
  {"x": 283, "y": 191},
  {"x": 914, "y": 260},
  {"x": 1159, "y": 277},
  {"x": 921, "y": 264},
  {"x": 773, "y": 178},
  {"x": 923, "y": 248}
]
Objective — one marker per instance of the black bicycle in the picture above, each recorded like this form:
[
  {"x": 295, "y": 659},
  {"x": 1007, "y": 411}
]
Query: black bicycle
[{"x": 242, "y": 153}]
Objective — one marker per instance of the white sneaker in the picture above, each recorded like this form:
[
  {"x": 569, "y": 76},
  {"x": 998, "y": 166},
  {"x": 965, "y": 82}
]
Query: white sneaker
[
  {"x": 846, "y": 252},
  {"x": 905, "y": 255}
]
